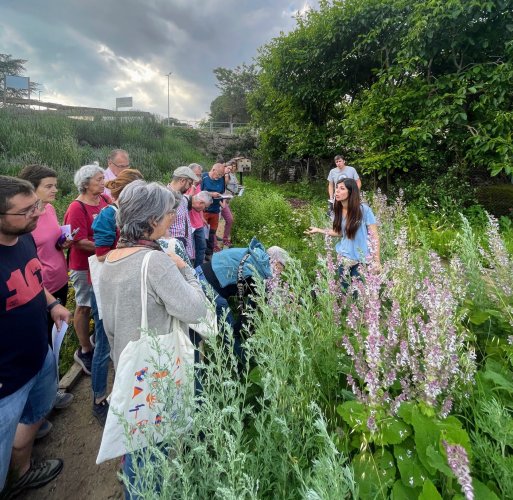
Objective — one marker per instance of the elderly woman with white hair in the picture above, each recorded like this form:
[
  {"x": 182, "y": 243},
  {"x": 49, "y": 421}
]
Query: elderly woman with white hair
[
  {"x": 90, "y": 182},
  {"x": 145, "y": 213}
]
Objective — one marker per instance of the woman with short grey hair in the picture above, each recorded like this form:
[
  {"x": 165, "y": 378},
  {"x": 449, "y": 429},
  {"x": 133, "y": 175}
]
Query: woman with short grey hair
[
  {"x": 143, "y": 206},
  {"x": 145, "y": 213},
  {"x": 90, "y": 182},
  {"x": 85, "y": 174}
]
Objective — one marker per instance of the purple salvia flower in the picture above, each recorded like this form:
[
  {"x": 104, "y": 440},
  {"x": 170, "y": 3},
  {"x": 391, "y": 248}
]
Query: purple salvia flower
[{"x": 457, "y": 459}]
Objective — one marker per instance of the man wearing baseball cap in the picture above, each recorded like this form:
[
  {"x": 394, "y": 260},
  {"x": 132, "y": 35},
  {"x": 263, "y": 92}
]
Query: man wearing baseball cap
[{"x": 181, "y": 229}]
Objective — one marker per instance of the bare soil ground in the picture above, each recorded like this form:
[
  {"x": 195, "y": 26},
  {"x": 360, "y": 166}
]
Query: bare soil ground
[{"x": 75, "y": 438}]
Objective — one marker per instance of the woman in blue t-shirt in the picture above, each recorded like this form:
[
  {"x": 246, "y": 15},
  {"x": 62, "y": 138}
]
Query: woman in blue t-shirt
[{"x": 356, "y": 223}]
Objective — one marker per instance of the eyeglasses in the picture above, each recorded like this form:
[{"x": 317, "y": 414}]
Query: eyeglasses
[
  {"x": 36, "y": 207},
  {"x": 120, "y": 166}
]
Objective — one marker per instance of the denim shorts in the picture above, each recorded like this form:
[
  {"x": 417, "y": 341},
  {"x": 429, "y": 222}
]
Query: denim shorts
[
  {"x": 27, "y": 405},
  {"x": 82, "y": 286}
]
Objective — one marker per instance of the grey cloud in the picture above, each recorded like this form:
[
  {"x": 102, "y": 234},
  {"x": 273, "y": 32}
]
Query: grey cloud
[{"x": 188, "y": 37}]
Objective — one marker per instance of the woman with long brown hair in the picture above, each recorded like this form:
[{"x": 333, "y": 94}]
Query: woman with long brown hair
[{"x": 356, "y": 224}]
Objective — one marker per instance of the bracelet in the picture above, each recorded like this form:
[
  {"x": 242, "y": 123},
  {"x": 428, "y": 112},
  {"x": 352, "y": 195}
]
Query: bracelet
[{"x": 49, "y": 307}]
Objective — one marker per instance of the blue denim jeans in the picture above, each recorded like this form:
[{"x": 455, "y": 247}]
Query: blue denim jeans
[
  {"x": 101, "y": 356},
  {"x": 28, "y": 405},
  {"x": 200, "y": 246},
  {"x": 354, "y": 272}
]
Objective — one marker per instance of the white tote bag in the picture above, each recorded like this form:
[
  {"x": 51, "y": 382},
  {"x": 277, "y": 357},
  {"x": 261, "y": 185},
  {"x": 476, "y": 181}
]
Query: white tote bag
[
  {"x": 140, "y": 405},
  {"x": 95, "y": 268}
]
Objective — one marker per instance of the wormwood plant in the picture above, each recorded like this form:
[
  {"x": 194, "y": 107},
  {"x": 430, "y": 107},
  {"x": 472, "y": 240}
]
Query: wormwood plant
[{"x": 260, "y": 431}]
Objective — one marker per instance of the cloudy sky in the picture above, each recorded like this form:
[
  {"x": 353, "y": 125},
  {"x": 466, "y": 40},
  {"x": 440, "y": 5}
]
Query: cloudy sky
[{"x": 88, "y": 52}]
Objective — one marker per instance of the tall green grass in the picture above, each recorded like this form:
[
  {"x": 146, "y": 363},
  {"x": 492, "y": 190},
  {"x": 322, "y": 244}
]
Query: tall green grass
[{"x": 65, "y": 144}]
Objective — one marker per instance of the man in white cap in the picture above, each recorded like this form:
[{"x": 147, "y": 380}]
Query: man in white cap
[{"x": 181, "y": 229}]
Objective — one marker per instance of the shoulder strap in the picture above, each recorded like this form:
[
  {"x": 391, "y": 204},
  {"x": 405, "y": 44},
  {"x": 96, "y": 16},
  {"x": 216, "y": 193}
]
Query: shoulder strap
[
  {"x": 105, "y": 199},
  {"x": 82, "y": 204},
  {"x": 144, "y": 294},
  {"x": 240, "y": 280},
  {"x": 189, "y": 201}
]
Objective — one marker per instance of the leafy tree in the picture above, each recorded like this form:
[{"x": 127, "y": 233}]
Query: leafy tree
[
  {"x": 399, "y": 85},
  {"x": 235, "y": 85},
  {"x": 10, "y": 66}
]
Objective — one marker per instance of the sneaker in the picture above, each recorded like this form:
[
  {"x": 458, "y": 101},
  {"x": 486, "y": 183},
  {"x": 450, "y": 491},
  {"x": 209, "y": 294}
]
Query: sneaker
[
  {"x": 37, "y": 476},
  {"x": 84, "y": 359},
  {"x": 63, "y": 400},
  {"x": 100, "y": 411},
  {"x": 45, "y": 429},
  {"x": 92, "y": 339}
]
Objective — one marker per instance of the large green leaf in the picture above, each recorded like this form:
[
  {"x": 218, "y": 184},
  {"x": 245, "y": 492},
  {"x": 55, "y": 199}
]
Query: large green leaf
[
  {"x": 392, "y": 431},
  {"x": 355, "y": 414},
  {"x": 427, "y": 433},
  {"x": 429, "y": 492},
  {"x": 374, "y": 474},
  {"x": 413, "y": 473},
  {"x": 482, "y": 492},
  {"x": 401, "y": 492},
  {"x": 479, "y": 317}
]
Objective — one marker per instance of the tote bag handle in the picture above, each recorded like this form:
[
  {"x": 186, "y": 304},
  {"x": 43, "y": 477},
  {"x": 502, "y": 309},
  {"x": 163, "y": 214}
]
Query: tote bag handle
[{"x": 144, "y": 294}]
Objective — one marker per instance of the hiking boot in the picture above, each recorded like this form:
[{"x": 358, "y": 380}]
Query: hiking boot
[
  {"x": 37, "y": 476},
  {"x": 63, "y": 400},
  {"x": 100, "y": 411},
  {"x": 84, "y": 359},
  {"x": 45, "y": 429}
]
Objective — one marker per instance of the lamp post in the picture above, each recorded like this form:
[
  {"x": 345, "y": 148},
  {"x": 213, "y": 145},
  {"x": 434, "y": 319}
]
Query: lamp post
[{"x": 168, "y": 75}]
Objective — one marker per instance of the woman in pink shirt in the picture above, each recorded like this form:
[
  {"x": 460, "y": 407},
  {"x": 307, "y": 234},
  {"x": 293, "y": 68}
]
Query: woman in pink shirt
[
  {"x": 47, "y": 233},
  {"x": 49, "y": 251}
]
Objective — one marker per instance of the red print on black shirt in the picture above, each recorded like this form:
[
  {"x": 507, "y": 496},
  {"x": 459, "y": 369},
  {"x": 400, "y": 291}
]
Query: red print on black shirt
[{"x": 25, "y": 285}]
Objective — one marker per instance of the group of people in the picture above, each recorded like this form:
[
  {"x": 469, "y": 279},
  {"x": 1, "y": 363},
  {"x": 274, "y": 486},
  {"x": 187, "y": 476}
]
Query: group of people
[{"x": 117, "y": 219}]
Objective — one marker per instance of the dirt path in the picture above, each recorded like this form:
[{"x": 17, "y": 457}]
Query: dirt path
[{"x": 75, "y": 438}]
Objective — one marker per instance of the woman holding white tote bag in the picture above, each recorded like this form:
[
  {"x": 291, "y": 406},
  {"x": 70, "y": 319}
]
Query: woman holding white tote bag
[{"x": 174, "y": 297}]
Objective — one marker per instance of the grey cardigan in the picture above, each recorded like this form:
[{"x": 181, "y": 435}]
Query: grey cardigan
[{"x": 171, "y": 293}]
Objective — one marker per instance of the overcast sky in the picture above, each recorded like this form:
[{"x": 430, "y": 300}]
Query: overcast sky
[{"x": 88, "y": 52}]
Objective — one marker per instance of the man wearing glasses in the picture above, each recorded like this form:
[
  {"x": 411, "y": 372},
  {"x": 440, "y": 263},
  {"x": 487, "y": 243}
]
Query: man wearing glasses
[
  {"x": 117, "y": 161},
  {"x": 28, "y": 375}
]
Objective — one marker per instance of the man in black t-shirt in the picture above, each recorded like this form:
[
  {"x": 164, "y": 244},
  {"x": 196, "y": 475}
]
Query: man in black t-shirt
[{"x": 28, "y": 375}]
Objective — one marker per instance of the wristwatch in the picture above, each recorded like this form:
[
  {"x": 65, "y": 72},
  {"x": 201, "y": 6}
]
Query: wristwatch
[{"x": 50, "y": 306}]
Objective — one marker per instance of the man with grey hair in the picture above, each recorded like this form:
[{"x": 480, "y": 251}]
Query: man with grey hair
[
  {"x": 117, "y": 161},
  {"x": 181, "y": 228}
]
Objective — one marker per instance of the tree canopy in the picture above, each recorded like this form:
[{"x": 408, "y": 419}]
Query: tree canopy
[
  {"x": 235, "y": 85},
  {"x": 395, "y": 84}
]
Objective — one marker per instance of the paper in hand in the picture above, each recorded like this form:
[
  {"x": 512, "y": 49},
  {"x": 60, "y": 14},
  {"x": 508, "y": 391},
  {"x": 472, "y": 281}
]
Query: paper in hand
[
  {"x": 66, "y": 230},
  {"x": 57, "y": 338}
]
